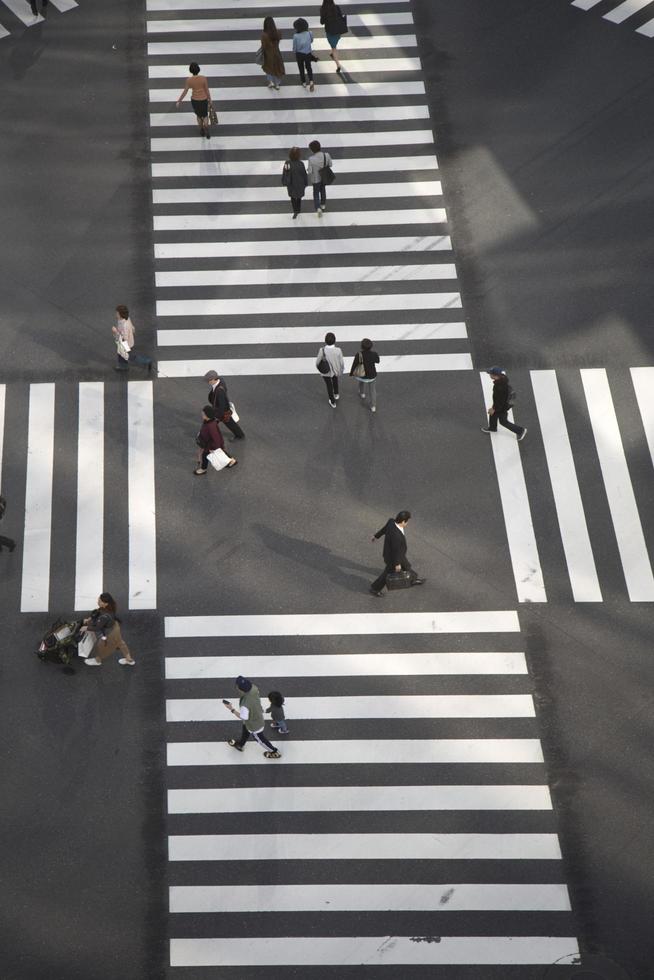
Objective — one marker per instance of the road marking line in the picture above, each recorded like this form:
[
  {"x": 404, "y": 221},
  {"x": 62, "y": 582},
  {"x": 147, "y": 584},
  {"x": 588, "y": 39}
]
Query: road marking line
[
  {"x": 352, "y": 43},
  {"x": 643, "y": 382},
  {"x": 4, "y": 32},
  {"x": 585, "y": 4},
  {"x": 206, "y": 25},
  {"x": 565, "y": 487},
  {"x": 166, "y": 5},
  {"x": 276, "y": 141},
  {"x": 141, "y": 493},
  {"x": 3, "y": 392},
  {"x": 298, "y": 117},
  {"x": 619, "y": 489},
  {"x": 294, "y": 276},
  {"x": 256, "y": 195},
  {"x": 515, "y": 507},
  {"x": 89, "y": 565},
  {"x": 332, "y": 219},
  {"x": 341, "y": 799},
  {"x": 647, "y": 29},
  {"x": 216, "y": 336},
  {"x": 35, "y": 590},
  {"x": 298, "y": 246},
  {"x": 336, "y": 90},
  {"x": 22, "y": 10},
  {"x": 626, "y": 9},
  {"x": 63, "y": 6},
  {"x": 241, "y": 70},
  {"x": 311, "y": 305},
  {"x": 261, "y": 366},
  {"x": 271, "y": 168}
]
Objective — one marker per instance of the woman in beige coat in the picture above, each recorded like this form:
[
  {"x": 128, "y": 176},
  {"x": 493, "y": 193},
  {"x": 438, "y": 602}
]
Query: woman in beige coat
[
  {"x": 104, "y": 624},
  {"x": 273, "y": 63}
]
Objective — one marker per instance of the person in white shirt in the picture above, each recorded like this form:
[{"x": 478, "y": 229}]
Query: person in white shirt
[
  {"x": 333, "y": 355},
  {"x": 315, "y": 164},
  {"x": 123, "y": 332}
]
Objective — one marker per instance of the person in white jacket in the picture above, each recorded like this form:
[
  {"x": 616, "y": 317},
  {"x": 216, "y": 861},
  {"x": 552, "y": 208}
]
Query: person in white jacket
[{"x": 333, "y": 355}]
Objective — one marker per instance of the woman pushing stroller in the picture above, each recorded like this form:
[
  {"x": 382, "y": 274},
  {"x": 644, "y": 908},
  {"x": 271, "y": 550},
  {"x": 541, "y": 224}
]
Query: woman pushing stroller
[{"x": 101, "y": 635}]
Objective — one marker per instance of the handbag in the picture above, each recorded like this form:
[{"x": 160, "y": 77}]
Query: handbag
[
  {"x": 326, "y": 172},
  {"x": 86, "y": 644},
  {"x": 213, "y": 116},
  {"x": 342, "y": 26},
  {"x": 258, "y": 58},
  {"x": 286, "y": 174},
  {"x": 219, "y": 459},
  {"x": 323, "y": 363},
  {"x": 399, "y": 580},
  {"x": 359, "y": 369},
  {"x": 235, "y": 414},
  {"x": 122, "y": 348}
]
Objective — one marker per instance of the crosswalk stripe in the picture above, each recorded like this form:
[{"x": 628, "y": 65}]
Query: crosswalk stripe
[
  {"x": 142, "y": 522},
  {"x": 643, "y": 382},
  {"x": 239, "y": 69},
  {"x": 256, "y": 195},
  {"x": 369, "y": 951},
  {"x": 356, "y": 42},
  {"x": 342, "y": 90},
  {"x": 585, "y": 4},
  {"x": 3, "y": 393},
  {"x": 319, "y": 246},
  {"x": 90, "y": 496},
  {"x": 228, "y": 278},
  {"x": 4, "y": 32},
  {"x": 22, "y": 10},
  {"x": 647, "y": 29},
  {"x": 62, "y": 6},
  {"x": 397, "y": 706},
  {"x": 617, "y": 483},
  {"x": 369, "y": 898},
  {"x": 565, "y": 487},
  {"x": 625, "y": 9},
  {"x": 336, "y": 799},
  {"x": 347, "y": 665},
  {"x": 261, "y": 366},
  {"x": 348, "y": 847},
  {"x": 272, "y": 168},
  {"x": 268, "y": 141},
  {"x": 206, "y": 25},
  {"x": 224, "y": 336},
  {"x": 291, "y": 117},
  {"x": 347, "y": 624},
  {"x": 332, "y": 219},
  {"x": 154, "y": 6},
  {"x": 35, "y": 588},
  {"x": 515, "y": 507},
  {"x": 364, "y": 752},
  {"x": 311, "y": 305}
]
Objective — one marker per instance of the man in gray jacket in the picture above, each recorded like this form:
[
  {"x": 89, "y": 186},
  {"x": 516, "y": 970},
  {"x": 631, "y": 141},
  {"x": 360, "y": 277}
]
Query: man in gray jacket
[
  {"x": 331, "y": 356},
  {"x": 251, "y": 714}
]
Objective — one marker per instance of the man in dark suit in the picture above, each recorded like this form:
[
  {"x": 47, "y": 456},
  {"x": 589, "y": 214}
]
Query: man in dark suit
[
  {"x": 219, "y": 401},
  {"x": 395, "y": 558}
]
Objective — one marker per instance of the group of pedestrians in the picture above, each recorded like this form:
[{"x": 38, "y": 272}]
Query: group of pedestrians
[
  {"x": 296, "y": 176},
  {"x": 210, "y": 442},
  {"x": 331, "y": 364}
]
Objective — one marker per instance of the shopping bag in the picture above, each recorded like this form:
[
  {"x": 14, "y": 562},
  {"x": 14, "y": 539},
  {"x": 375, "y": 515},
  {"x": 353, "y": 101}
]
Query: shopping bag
[
  {"x": 219, "y": 459},
  {"x": 235, "y": 414},
  {"x": 86, "y": 644}
]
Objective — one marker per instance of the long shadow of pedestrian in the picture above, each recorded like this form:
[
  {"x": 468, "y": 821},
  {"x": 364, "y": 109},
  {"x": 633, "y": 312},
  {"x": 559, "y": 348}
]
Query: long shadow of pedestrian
[{"x": 317, "y": 556}]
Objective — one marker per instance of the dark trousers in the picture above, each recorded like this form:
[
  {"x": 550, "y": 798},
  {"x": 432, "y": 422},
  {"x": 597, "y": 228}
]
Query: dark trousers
[
  {"x": 33, "y": 3},
  {"x": 380, "y": 582},
  {"x": 501, "y": 417},
  {"x": 304, "y": 61},
  {"x": 297, "y": 204},
  {"x": 257, "y": 736},
  {"x": 319, "y": 194},
  {"x": 234, "y": 428},
  {"x": 134, "y": 358},
  {"x": 7, "y": 543},
  {"x": 332, "y": 387}
]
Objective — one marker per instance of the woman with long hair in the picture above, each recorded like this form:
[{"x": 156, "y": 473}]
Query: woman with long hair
[
  {"x": 335, "y": 23},
  {"x": 103, "y": 624},
  {"x": 272, "y": 63}
]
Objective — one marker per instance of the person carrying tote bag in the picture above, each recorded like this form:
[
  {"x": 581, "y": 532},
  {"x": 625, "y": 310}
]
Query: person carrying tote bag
[
  {"x": 335, "y": 23},
  {"x": 319, "y": 171},
  {"x": 365, "y": 371},
  {"x": 211, "y": 445},
  {"x": 331, "y": 365}
]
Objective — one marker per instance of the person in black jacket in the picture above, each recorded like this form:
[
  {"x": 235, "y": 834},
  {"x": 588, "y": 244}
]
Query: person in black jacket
[
  {"x": 365, "y": 361},
  {"x": 501, "y": 405},
  {"x": 395, "y": 558},
  {"x": 5, "y": 542},
  {"x": 294, "y": 179},
  {"x": 219, "y": 401},
  {"x": 335, "y": 24}
]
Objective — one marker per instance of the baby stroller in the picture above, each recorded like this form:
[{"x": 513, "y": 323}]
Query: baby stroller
[{"x": 59, "y": 645}]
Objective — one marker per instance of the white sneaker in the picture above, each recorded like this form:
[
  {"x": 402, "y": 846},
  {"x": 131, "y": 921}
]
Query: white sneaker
[
  {"x": 336, "y": 397},
  {"x": 333, "y": 405},
  {"x": 92, "y": 662},
  {"x": 311, "y": 86},
  {"x": 373, "y": 409},
  {"x": 126, "y": 663},
  {"x": 304, "y": 85},
  {"x": 318, "y": 212},
  {"x": 362, "y": 396},
  {"x": 270, "y": 85}
]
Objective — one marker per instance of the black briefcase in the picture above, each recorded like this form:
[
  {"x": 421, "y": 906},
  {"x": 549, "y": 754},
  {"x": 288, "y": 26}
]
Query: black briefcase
[{"x": 399, "y": 580}]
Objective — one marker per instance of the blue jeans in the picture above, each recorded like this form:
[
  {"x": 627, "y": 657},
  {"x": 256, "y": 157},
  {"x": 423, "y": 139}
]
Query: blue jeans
[
  {"x": 273, "y": 79},
  {"x": 319, "y": 194}
]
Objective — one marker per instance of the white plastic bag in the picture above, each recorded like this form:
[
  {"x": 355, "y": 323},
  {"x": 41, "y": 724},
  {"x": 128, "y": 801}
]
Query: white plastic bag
[
  {"x": 86, "y": 644},
  {"x": 219, "y": 459}
]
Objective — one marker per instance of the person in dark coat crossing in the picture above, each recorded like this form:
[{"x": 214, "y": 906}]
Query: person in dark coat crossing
[
  {"x": 294, "y": 179},
  {"x": 395, "y": 549},
  {"x": 501, "y": 406},
  {"x": 209, "y": 438},
  {"x": 219, "y": 401}
]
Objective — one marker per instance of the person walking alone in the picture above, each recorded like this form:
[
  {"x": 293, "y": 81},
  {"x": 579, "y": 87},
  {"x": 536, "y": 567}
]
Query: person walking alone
[
  {"x": 316, "y": 162},
  {"x": 395, "y": 548},
  {"x": 332, "y": 356},
  {"x": 209, "y": 438},
  {"x": 335, "y": 24},
  {"x": 34, "y": 7},
  {"x": 294, "y": 179},
  {"x": 273, "y": 63},
  {"x": 502, "y": 404},
  {"x": 302, "y": 41},
  {"x": 5, "y": 542},
  {"x": 251, "y": 714},
  {"x": 219, "y": 401},
  {"x": 365, "y": 371},
  {"x": 198, "y": 86},
  {"x": 124, "y": 336}
]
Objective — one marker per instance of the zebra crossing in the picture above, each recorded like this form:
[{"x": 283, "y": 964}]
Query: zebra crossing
[
  {"x": 14, "y": 13},
  {"x": 410, "y": 802},
  {"x": 224, "y": 244},
  {"x": 638, "y": 14},
  {"x": 54, "y": 467},
  {"x": 589, "y": 403}
]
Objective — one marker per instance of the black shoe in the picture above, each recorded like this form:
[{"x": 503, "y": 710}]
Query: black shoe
[
  {"x": 242, "y": 436},
  {"x": 419, "y": 581},
  {"x": 376, "y": 593}
]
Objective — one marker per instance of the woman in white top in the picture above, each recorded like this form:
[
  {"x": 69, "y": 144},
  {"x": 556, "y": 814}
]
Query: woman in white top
[
  {"x": 123, "y": 333},
  {"x": 334, "y": 357},
  {"x": 315, "y": 164}
]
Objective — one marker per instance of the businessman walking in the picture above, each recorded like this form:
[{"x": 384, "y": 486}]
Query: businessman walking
[{"x": 395, "y": 549}]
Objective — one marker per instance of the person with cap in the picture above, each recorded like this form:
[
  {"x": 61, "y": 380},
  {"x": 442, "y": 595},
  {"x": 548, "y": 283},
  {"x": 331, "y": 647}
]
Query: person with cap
[
  {"x": 219, "y": 401},
  {"x": 250, "y": 712},
  {"x": 502, "y": 403},
  {"x": 208, "y": 439},
  {"x": 302, "y": 41},
  {"x": 395, "y": 548}
]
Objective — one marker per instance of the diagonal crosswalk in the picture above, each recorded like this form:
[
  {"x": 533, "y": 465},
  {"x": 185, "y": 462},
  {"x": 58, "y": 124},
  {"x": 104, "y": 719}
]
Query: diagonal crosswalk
[
  {"x": 639, "y": 14},
  {"x": 15, "y": 14},
  {"x": 222, "y": 199},
  {"x": 415, "y": 814}
]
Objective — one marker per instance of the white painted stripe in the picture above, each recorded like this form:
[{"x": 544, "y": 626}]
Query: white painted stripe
[
  {"x": 272, "y": 168},
  {"x": 585, "y": 4},
  {"x": 261, "y": 366},
  {"x": 565, "y": 487},
  {"x": 291, "y": 277},
  {"x": 3, "y": 391},
  {"x": 206, "y": 25},
  {"x": 21, "y": 9},
  {"x": 365, "y": 706},
  {"x": 4, "y": 32},
  {"x": 255, "y": 195},
  {"x": 647, "y": 30},
  {"x": 376, "y": 847},
  {"x": 268, "y": 141},
  {"x": 347, "y": 665},
  {"x": 347, "y": 43},
  {"x": 515, "y": 506},
  {"x": 311, "y": 305},
  {"x": 643, "y": 382},
  {"x": 340, "y": 799},
  {"x": 332, "y": 219},
  {"x": 617, "y": 483},
  {"x": 626, "y": 9},
  {"x": 298, "y": 246},
  {"x": 154, "y": 6},
  {"x": 368, "y": 951},
  {"x": 63, "y": 6},
  {"x": 337, "y": 624},
  {"x": 308, "y": 335},
  {"x": 142, "y": 522},
  {"x": 241, "y": 70},
  {"x": 364, "y": 752},
  {"x": 89, "y": 553},
  {"x": 298, "y": 117},
  {"x": 369, "y": 898},
  {"x": 35, "y": 590},
  {"x": 337, "y": 90}
]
